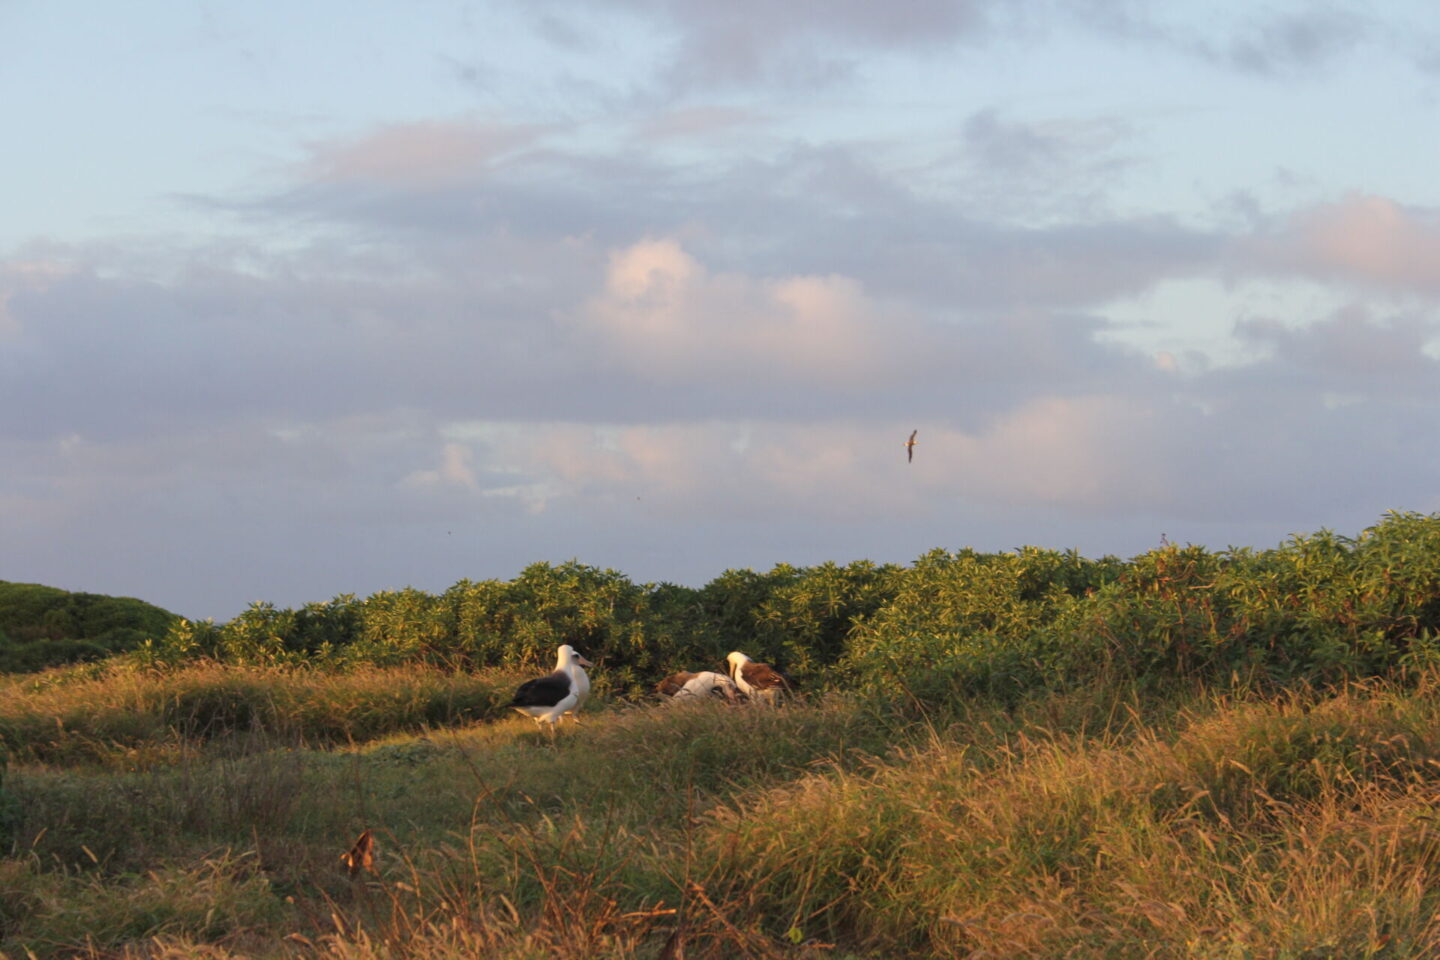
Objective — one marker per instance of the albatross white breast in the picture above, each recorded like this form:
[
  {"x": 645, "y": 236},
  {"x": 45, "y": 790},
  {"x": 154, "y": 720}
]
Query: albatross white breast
[
  {"x": 582, "y": 684},
  {"x": 758, "y": 681},
  {"x": 547, "y": 698},
  {"x": 697, "y": 686}
]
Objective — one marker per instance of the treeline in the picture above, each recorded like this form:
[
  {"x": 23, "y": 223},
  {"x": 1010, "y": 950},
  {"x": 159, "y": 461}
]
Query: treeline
[
  {"x": 1320, "y": 607},
  {"x": 800, "y": 617},
  {"x": 44, "y": 626}
]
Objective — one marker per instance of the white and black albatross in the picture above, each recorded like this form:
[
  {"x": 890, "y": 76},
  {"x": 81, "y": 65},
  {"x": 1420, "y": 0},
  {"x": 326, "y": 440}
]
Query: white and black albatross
[
  {"x": 582, "y": 684},
  {"x": 679, "y": 687},
  {"x": 758, "y": 681},
  {"x": 549, "y": 697},
  {"x": 672, "y": 684}
]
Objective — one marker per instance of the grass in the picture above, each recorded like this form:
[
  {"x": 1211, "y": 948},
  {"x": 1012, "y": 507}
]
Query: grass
[
  {"x": 119, "y": 715},
  {"x": 1093, "y": 824},
  {"x": 217, "y": 900},
  {"x": 1287, "y": 828}
]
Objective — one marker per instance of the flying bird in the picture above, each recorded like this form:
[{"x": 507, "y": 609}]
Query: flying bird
[
  {"x": 758, "y": 681},
  {"x": 910, "y": 447},
  {"x": 550, "y": 697}
]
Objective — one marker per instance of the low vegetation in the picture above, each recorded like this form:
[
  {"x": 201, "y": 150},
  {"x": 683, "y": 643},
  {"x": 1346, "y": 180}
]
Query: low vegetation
[
  {"x": 1318, "y": 608},
  {"x": 44, "y": 627},
  {"x": 123, "y": 716},
  {"x": 1032, "y": 754}
]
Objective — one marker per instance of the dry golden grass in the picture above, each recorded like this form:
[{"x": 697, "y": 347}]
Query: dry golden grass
[
  {"x": 127, "y": 716},
  {"x": 1295, "y": 827},
  {"x": 1283, "y": 829}
]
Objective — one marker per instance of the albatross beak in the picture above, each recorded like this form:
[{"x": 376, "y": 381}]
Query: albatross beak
[{"x": 582, "y": 661}]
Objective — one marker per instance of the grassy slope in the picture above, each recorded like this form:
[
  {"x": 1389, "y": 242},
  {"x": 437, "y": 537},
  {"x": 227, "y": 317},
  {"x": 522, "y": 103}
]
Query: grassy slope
[{"x": 1083, "y": 825}]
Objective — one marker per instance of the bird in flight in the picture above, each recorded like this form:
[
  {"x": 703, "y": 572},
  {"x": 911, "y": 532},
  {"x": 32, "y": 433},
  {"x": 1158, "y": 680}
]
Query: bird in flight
[{"x": 910, "y": 447}]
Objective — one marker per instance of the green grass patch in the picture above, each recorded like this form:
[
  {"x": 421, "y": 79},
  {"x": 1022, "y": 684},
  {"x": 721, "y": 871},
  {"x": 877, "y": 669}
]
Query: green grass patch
[{"x": 121, "y": 714}]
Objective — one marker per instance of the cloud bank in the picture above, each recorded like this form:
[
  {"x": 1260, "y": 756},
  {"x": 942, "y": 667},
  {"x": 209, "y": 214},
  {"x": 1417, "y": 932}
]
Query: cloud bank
[{"x": 688, "y": 326}]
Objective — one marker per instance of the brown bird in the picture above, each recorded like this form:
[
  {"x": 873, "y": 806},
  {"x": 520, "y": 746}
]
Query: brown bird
[
  {"x": 674, "y": 948},
  {"x": 361, "y": 856},
  {"x": 758, "y": 681},
  {"x": 910, "y": 447},
  {"x": 673, "y": 684}
]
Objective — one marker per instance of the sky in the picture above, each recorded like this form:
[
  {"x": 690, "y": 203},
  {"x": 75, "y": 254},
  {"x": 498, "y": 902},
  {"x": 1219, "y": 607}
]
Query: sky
[{"x": 360, "y": 294}]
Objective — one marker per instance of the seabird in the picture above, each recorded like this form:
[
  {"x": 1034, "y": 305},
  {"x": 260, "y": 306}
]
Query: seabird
[
  {"x": 672, "y": 684},
  {"x": 582, "y": 685},
  {"x": 361, "y": 856},
  {"x": 548, "y": 698},
  {"x": 758, "y": 681},
  {"x": 910, "y": 447},
  {"x": 697, "y": 686}
]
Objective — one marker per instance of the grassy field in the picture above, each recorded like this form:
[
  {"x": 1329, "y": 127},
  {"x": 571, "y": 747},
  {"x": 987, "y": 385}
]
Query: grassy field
[{"x": 203, "y": 811}]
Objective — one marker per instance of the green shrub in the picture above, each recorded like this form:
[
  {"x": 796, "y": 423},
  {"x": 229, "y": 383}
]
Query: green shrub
[
  {"x": 1318, "y": 608},
  {"x": 43, "y": 626}
]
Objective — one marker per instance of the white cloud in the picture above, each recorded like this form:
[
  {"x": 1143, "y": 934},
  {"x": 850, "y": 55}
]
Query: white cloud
[
  {"x": 753, "y": 42},
  {"x": 1105, "y": 452},
  {"x": 663, "y": 315},
  {"x": 427, "y": 153},
  {"x": 1353, "y": 350},
  {"x": 1365, "y": 238},
  {"x": 681, "y": 311},
  {"x": 1307, "y": 37},
  {"x": 704, "y": 122},
  {"x": 1090, "y": 451},
  {"x": 20, "y": 276},
  {"x": 455, "y": 470},
  {"x": 9, "y": 323}
]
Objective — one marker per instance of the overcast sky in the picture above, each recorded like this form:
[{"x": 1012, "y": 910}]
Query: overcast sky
[{"x": 343, "y": 296}]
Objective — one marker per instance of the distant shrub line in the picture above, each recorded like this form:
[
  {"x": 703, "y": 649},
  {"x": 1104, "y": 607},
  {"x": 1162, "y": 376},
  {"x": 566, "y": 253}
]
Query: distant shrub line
[
  {"x": 1317, "y": 608},
  {"x": 44, "y": 626}
]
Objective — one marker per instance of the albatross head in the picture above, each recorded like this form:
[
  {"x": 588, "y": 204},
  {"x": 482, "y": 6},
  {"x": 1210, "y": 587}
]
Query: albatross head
[
  {"x": 568, "y": 655},
  {"x": 735, "y": 660}
]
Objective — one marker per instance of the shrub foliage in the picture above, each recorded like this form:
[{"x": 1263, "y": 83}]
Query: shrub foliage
[
  {"x": 44, "y": 626},
  {"x": 1317, "y": 608}
]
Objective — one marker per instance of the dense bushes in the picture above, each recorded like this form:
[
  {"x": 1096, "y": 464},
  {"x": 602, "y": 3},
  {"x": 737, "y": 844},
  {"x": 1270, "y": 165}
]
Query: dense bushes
[
  {"x": 799, "y": 618},
  {"x": 1318, "y": 608},
  {"x": 968, "y": 624},
  {"x": 43, "y": 626}
]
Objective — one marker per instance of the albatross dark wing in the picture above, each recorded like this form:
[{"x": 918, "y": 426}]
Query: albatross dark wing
[{"x": 542, "y": 691}]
